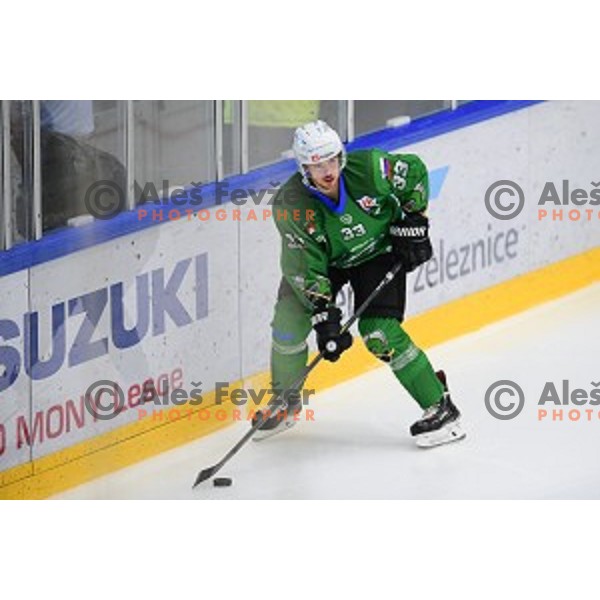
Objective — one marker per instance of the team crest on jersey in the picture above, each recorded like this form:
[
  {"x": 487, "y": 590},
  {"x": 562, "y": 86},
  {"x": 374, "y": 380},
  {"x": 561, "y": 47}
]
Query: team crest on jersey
[
  {"x": 346, "y": 219},
  {"x": 369, "y": 205}
]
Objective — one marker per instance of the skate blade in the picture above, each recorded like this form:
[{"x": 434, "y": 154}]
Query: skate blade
[
  {"x": 452, "y": 432},
  {"x": 263, "y": 434}
]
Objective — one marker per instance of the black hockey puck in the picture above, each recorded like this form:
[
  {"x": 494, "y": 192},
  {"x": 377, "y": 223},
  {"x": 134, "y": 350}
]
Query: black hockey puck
[{"x": 222, "y": 481}]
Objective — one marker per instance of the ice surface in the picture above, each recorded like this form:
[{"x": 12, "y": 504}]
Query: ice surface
[{"x": 359, "y": 446}]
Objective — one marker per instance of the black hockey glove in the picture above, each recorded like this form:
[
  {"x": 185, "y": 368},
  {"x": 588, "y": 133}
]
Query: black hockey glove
[
  {"x": 410, "y": 240},
  {"x": 327, "y": 324}
]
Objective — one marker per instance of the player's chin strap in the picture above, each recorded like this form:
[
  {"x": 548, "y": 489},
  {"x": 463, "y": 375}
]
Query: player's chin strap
[{"x": 279, "y": 403}]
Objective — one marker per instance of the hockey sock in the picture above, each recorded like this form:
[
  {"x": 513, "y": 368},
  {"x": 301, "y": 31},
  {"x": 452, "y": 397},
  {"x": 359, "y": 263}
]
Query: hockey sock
[
  {"x": 289, "y": 350},
  {"x": 385, "y": 338}
]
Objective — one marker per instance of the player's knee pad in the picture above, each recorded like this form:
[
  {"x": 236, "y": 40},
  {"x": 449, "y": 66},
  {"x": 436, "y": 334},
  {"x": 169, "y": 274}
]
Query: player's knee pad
[
  {"x": 378, "y": 345},
  {"x": 385, "y": 339},
  {"x": 376, "y": 334},
  {"x": 290, "y": 327}
]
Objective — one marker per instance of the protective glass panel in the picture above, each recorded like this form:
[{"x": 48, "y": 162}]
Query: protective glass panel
[
  {"x": 174, "y": 145},
  {"x": 232, "y": 136},
  {"x": 82, "y": 154},
  {"x": 19, "y": 173},
  {"x": 271, "y": 125},
  {"x": 371, "y": 115}
]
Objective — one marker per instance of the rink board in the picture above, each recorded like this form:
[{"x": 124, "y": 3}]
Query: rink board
[{"x": 190, "y": 301}]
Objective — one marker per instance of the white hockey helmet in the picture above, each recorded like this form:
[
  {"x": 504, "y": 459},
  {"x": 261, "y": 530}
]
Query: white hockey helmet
[{"x": 315, "y": 142}]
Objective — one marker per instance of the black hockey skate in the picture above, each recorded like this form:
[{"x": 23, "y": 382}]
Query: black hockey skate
[
  {"x": 440, "y": 423},
  {"x": 280, "y": 420}
]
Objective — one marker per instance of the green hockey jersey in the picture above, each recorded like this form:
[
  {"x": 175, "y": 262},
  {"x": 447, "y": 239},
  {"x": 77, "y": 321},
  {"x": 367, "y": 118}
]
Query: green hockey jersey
[{"x": 376, "y": 189}]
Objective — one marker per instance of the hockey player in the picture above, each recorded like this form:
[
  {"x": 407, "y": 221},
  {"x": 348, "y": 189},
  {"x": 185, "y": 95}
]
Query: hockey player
[{"x": 357, "y": 215}]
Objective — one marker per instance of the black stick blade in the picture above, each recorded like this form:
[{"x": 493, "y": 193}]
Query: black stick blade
[{"x": 204, "y": 475}]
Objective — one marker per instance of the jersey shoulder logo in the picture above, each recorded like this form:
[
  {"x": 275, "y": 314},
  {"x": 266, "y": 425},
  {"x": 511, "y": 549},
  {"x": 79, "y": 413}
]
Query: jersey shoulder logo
[{"x": 369, "y": 205}]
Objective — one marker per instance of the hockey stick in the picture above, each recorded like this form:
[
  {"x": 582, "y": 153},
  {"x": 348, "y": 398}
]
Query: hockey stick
[{"x": 264, "y": 415}]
